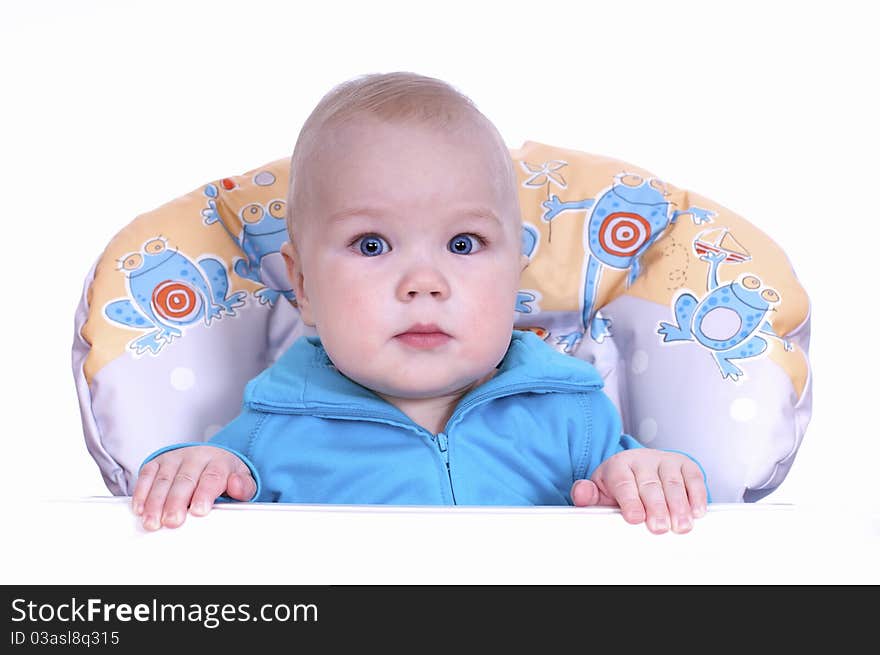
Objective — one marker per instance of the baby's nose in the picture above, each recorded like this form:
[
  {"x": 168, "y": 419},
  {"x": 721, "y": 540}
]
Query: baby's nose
[{"x": 423, "y": 281}]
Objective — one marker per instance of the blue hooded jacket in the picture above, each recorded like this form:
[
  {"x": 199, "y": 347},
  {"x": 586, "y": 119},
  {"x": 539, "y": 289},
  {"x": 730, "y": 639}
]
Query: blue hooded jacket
[{"x": 312, "y": 435}]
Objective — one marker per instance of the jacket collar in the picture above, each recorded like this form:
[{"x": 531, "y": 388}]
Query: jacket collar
[{"x": 305, "y": 381}]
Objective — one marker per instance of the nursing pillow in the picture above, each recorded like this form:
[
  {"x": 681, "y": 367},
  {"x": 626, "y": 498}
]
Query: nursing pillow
[{"x": 692, "y": 315}]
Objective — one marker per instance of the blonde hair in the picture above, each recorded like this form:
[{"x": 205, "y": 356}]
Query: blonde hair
[{"x": 399, "y": 96}]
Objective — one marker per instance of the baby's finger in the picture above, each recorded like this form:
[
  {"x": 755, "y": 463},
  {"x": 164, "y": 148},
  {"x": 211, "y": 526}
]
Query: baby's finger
[
  {"x": 142, "y": 486},
  {"x": 181, "y": 492},
  {"x": 695, "y": 484},
  {"x": 213, "y": 482},
  {"x": 584, "y": 493},
  {"x": 653, "y": 499},
  {"x": 155, "y": 500},
  {"x": 619, "y": 483},
  {"x": 676, "y": 495},
  {"x": 241, "y": 484}
]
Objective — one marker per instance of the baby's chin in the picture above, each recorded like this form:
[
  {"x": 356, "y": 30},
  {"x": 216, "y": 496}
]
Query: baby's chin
[{"x": 424, "y": 389}]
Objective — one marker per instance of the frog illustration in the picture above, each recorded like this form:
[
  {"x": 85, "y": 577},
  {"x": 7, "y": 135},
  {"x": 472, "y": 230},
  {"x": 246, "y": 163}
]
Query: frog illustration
[
  {"x": 626, "y": 219},
  {"x": 525, "y": 301},
  {"x": 727, "y": 319},
  {"x": 526, "y": 297},
  {"x": 167, "y": 292},
  {"x": 264, "y": 230}
]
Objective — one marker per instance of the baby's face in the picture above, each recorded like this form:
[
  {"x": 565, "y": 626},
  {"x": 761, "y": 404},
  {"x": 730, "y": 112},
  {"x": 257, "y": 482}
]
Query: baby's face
[{"x": 408, "y": 259}]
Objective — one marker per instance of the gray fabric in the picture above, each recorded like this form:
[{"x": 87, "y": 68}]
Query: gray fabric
[
  {"x": 137, "y": 404},
  {"x": 744, "y": 433}
]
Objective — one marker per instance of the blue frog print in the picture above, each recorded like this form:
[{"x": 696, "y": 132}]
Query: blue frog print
[
  {"x": 264, "y": 231},
  {"x": 623, "y": 223},
  {"x": 526, "y": 299},
  {"x": 168, "y": 292},
  {"x": 727, "y": 319}
]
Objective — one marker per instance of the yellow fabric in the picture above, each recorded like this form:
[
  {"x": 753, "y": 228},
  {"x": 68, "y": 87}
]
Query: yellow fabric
[
  {"x": 555, "y": 273},
  {"x": 671, "y": 264}
]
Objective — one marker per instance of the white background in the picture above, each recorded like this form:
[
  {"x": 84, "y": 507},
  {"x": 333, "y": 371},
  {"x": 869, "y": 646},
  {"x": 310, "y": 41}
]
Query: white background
[{"x": 109, "y": 109}]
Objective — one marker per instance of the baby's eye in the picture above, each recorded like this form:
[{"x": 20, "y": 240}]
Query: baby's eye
[
  {"x": 372, "y": 245},
  {"x": 465, "y": 244}
]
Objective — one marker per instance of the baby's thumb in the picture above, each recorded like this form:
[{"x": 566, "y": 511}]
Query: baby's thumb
[
  {"x": 584, "y": 493},
  {"x": 241, "y": 486}
]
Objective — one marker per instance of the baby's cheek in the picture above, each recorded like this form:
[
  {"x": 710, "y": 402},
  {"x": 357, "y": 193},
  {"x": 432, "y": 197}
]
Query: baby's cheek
[
  {"x": 349, "y": 350},
  {"x": 497, "y": 293},
  {"x": 491, "y": 314},
  {"x": 346, "y": 304}
]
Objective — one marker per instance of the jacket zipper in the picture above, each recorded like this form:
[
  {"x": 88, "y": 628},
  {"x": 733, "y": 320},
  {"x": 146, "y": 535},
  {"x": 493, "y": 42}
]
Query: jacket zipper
[{"x": 442, "y": 441}]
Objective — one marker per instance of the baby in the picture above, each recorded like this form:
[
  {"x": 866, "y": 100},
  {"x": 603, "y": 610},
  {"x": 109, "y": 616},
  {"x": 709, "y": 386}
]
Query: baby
[{"x": 405, "y": 256}]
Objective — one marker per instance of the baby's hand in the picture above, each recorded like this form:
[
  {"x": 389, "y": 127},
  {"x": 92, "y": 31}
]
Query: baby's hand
[
  {"x": 648, "y": 485},
  {"x": 191, "y": 477}
]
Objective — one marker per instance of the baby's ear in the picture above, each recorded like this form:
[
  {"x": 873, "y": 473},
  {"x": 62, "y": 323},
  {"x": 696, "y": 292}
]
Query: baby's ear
[{"x": 297, "y": 281}]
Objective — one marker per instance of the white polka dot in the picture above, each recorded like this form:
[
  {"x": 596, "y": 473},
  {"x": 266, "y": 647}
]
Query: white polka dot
[
  {"x": 721, "y": 324},
  {"x": 264, "y": 178},
  {"x": 647, "y": 430},
  {"x": 211, "y": 430},
  {"x": 182, "y": 378},
  {"x": 639, "y": 363},
  {"x": 743, "y": 409}
]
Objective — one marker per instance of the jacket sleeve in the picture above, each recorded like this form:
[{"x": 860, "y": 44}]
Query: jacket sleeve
[
  {"x": 605, "y": 437},
  {"x": 603, "y": 433},
  {"x": 235, "y": 437}
]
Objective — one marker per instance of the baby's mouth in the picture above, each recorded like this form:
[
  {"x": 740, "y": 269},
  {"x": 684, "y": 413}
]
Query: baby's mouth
[{"x": 423, "y": 336}]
